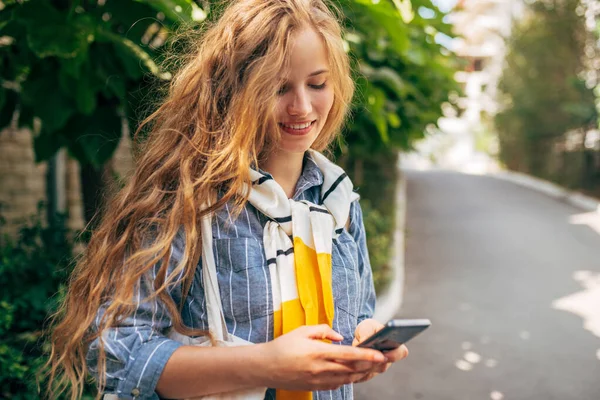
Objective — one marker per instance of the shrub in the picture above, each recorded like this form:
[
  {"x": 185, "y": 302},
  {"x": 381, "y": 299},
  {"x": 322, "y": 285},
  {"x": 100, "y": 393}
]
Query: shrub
[{"x": 33, "y": 269}]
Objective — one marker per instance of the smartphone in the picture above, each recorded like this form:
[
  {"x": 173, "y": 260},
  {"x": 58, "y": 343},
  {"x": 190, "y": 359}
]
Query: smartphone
[{"x": 395, "y": 333}]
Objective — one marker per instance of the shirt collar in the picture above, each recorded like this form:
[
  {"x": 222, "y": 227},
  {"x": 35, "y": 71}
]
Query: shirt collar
[{"x": 311, "y": 175}]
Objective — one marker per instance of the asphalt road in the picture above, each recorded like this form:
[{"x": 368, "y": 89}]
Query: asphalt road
[{"x": 491, "y": 264}]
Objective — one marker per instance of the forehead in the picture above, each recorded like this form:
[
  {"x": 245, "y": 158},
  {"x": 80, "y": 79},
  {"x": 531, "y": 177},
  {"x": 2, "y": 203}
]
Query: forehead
[{"x": 307, "y": 54}]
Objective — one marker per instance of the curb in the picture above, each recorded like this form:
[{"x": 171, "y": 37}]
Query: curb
[
  {"x": 550, "y": 189},
  {"x": 390, "y": 301}
]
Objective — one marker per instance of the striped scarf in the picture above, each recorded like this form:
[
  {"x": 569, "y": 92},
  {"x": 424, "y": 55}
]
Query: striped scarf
[{"x": 298, "y": 244}]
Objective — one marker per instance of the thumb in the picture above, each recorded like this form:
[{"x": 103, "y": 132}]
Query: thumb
[{"x": 320, "y": 332}]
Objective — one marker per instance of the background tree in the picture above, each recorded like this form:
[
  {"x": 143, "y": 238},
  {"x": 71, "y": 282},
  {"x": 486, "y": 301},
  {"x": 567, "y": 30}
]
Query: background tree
[
  {"x": 543, "y": 85},
  {"x": 80, "y": 74},
  {"x": 82, "y": 68}
]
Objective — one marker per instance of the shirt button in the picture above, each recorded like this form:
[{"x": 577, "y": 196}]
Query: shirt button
[{"x": 135, "y": 392}]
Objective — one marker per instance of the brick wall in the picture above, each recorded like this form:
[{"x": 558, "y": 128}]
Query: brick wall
[{"x": 23, "y": 182}]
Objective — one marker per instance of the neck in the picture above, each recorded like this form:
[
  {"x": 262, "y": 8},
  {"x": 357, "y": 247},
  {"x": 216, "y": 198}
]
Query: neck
[{"x": 285, "y": 168}]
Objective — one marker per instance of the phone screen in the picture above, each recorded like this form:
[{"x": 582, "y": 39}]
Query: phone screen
[{"x": 391, "y": 337}]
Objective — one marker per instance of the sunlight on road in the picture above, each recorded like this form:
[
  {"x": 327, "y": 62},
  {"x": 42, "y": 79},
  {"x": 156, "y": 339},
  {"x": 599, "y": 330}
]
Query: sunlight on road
[
  {"x": 470, "y": 358},
  {"x": 591, "y": 219},
  {"x": 586, "y": 302},
  {"x": 496, "y": 395}
]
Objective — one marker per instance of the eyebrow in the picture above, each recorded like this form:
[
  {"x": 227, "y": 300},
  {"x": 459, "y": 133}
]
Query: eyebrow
[{"x": 319, "y": 72}]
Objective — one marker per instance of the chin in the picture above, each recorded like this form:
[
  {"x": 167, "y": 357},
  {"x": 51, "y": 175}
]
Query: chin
[
  {"x": 295, "y": 146},
  {"x": 295, "y": 149}
]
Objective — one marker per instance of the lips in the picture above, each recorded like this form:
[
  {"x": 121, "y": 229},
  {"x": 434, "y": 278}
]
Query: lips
[{"x": 297, "y": 128}]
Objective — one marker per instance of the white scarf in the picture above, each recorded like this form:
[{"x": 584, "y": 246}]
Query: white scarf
[{"x": 298, "y": 244}]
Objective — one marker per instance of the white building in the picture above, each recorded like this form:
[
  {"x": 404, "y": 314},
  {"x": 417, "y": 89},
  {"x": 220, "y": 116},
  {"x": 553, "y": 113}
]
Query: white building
[{"x": 481, "y": 28}]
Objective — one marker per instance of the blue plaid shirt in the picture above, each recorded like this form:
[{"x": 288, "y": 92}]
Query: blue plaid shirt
[{"x": 138, "y": 349}]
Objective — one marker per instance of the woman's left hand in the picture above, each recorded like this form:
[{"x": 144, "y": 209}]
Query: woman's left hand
[{"x": 365, "y": 329}]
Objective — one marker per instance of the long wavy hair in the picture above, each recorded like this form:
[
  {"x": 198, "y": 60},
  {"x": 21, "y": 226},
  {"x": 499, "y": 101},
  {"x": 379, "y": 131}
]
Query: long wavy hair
[{"x": 216, "y": 121}]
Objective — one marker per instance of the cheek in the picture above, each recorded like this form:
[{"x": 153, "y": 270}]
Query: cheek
[
  {"x": 280, "y": 106},
  {"x": 323, "y": 102}
]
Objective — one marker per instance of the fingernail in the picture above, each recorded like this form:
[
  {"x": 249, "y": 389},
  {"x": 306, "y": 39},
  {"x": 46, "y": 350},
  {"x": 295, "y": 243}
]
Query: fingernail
[{"x": 380, "y": 358}]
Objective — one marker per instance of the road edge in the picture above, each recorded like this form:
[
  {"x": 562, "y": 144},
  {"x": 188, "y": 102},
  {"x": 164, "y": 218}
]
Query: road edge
[
  {"x": 550, "y": 189},
  {"x": 390, "y": 300}
]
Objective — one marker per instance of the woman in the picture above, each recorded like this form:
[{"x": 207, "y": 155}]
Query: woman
[{"x": 237, "y": 141}]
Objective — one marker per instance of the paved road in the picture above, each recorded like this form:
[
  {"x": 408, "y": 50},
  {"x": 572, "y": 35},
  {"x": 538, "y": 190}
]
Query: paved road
[{"x": 487, "y": 262}]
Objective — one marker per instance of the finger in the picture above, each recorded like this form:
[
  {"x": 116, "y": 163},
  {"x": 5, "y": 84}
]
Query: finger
[
  {"x": 397, "y": 354},
  {"x": 382, "y": 368},
  {"x": 366, "y": 377},
  {"x": 338, "y": 368},
  {"x": 336, "y": 380},
  {"x": 358, "y": 378},
  {"x": 349, "y": 353},
  {"x": 362, "y": 366},
  {"x": 365, "y": 366},
  {"x": 322, "y": 331},
  {"x": 366, "y": 328},
  {"x": 353, "y": 378}
]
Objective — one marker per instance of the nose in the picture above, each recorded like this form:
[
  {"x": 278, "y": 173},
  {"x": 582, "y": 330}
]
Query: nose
[{"x": 300, "y": 104}]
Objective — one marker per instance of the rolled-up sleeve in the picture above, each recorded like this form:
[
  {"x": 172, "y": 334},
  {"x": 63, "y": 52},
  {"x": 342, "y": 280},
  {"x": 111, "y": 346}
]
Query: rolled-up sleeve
[
  {"x": 137, "y": 350},
  {"x": 367, "y": 295}
]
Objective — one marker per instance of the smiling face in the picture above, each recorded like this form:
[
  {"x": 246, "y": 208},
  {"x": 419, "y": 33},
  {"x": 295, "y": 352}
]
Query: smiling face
[{"x": 305, "y": 99}]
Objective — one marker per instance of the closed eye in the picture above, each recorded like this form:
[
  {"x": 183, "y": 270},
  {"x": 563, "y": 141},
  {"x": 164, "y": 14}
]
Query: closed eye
[
  {"x": 282, "y": 90},
  {"x": 319, "y": 87}
]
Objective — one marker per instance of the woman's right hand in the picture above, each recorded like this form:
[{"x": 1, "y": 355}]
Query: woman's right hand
[{"x": 300, "y": 360}]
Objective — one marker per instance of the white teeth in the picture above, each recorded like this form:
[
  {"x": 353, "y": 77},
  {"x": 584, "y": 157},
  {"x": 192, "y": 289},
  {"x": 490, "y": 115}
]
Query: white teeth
[{"x": 295, "y": 126}]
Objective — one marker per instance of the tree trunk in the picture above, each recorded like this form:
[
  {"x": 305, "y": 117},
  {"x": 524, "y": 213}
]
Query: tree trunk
[
  {"x": 358, "y": 171},
  {"x": 94, "y": 190}
]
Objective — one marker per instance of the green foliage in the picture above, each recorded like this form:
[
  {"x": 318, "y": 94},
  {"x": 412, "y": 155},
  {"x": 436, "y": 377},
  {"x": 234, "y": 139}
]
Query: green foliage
[
  {"x": 403, "y": 77},
  {"x": 378, "y": 201},
  {"x": 544, "y": 92},
  {"x": 80, "y": 67},
  {"x": 32, "y": 270},
  {"x": 379, "y": 228}
]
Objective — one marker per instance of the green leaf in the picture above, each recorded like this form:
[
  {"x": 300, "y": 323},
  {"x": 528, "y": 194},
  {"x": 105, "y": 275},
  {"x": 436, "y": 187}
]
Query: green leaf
[
  {"x": 93, "y": 140},
  {"x": 72, "y": 66},
  {"x": 109, "y": 77},
  {"x": 405, "y": 9},
  {"x": 8, "y": 105},
  {"x": 46, "y": 144},
  {"x": 185, "y": 11},
  {"x": 83, "y": 87},
  {"x": 130, "y": 51},
  {"x": 385, "y": 16},
  {"x": 2, "y": 96},
  {"x": 85, "y": 97},
  {"x": 26, "y": 116},
  {"x": 394, "y": 121},
  {"x": 42, "y": 92},
  {"x": 415, "y": 55},
  {"x": 6, "y": 16},
  {"x": 386, "y": 76},
  {"x": 135, "y": 16},
  {"x": 51, "y": 33},
  {"x": 375, "y": 106}
]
